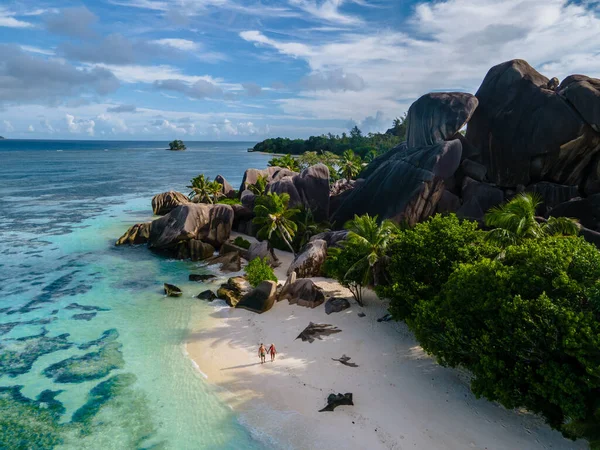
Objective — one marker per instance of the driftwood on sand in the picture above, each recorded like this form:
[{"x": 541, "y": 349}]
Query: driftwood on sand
[
  {"x": 317, "y": 330},
  {"x": 335, "y": 400},
  {"x": 345, "y": 360}
]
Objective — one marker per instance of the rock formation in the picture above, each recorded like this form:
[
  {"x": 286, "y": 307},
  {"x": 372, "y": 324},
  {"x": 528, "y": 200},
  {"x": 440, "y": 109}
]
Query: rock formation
[
  {"x": 233, "y": 290},
  {"x": 207, "y": 295},
  {"x": 167, "y": 201},
  {"x": 227, "y": 190},
  {"x": 172, "y": 291},
  {"x": 260, "y": 299},
  {"x": 271, "y": 173},
  {"x": 262, "y": 250},
  {"x": 303, "y": 292},
  {"x": 195, "y": 250},
  {"x": 336, "y": 304},
  {"x": 309, "y": 261},
  {"x": 136, "y": 234}
]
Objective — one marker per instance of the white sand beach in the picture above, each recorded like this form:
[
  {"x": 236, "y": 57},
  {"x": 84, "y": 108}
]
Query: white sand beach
[{"x": 403, "y": 398}]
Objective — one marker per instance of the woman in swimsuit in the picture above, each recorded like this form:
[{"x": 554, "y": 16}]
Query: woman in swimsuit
[
  {"x": 262, "y": 353},
  {"x": 272, "y": 351}
]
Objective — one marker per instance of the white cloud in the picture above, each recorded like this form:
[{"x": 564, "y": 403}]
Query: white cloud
[
  {"x": 78, "y": 126},
  {"x": 327, "y": 10},
  {"x": 40, "y": 51},
  {"x": 8, "y": 127},
  {"x": 7, "y": 20},
  {"x": 180, "y": 44}
]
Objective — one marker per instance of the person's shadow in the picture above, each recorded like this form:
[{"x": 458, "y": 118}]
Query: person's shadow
[{"x": 243, "y": 366}]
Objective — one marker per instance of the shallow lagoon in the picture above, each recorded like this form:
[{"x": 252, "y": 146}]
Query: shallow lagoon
[{"x": 84, "y": 327}]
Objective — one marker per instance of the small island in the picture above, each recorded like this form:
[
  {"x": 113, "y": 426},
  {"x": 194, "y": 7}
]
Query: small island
[
  {"x": 2, "y": 137},
  {"x": 176, "y": 145}
]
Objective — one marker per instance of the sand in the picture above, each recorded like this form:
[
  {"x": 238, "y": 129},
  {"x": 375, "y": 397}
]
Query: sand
[{"x": 403, "y": 398}]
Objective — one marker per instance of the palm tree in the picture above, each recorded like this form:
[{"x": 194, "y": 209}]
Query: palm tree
[
  {"x": 307, "y": 227},
  {"x": 200, "y": 188},
  {"x": 215, "y": 190},
  {"x": 286, "y": 161},
  {"x": 274, "y": 216},
  {"x": 515, "y": 221},
  {"x": 260, "y": 187},
  {"x": 350, "y": 165}
]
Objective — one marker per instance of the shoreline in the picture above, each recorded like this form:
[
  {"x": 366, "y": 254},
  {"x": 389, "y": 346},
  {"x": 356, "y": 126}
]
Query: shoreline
[{"x": 403, "y": 398}]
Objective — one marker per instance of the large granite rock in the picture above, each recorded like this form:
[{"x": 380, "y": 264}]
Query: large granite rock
[
  {"x": 286, "y": 185},
  {"x": 336, "y": 304},
  {"x": 526, "y": 131},
  {"x": 583, "y": 93},
  {"x": 552, "y": 194},
  {"x": 448, "y": 203},
  {"x": 167, "y": 201},
  {"x": 208, "y": 223},
  {"x": 229, "y": 262},
  {"x": 272, "y": 174},
  {"x": 303, "y": 292},
  {"x": 437, "y": 117},
  {"x": 586, "y": 210},
  {"x": 227, "y": 190},
  {"x": 406, "y": 187},
  {"x": 233, "y": 290},
  {"x": 136, "y": 234},
  {"x": 309, "y": 261},
  {"x": 332, "y": 238},
  {"x": 260, "y": 299},
  {"x": 195, "y": 250},
  {"x": 478, "y": 198},
  {"x": 381, "y": 159},
  {"x": 262, "y": 250}
]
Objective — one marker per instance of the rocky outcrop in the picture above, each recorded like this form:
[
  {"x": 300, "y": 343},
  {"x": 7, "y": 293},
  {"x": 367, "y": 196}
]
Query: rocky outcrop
[
  {"x": 526, "y": 132},
  {"x": 332, "y": 238},
  {"x": 201, "y": 277},
  {"x": 167, "y": 201},
  {"x": 586, "y": 210},
  {"x": 309, "y": 261},
  {"x": 242, "y": 219},
  {"x": 172, "y": 291},
  {"x": 437, "y": 117},
  {"x": 406, "y": 187},
  {"x": 336, "y": 304},
  {"x": 583, "y": 93},
  {"x": 229, "y": 262},
  {"x": 271, "y": 173},
  {"x": 303, "y": 292},
  {"x": 552, "y": 194},
  {"x": 207, "y": 295},
  {"x": 448, "y": 203},
  {"x": 208, "y": 223},
  {"x": 260, "y": 299},
  {"x": 233, "y": 290},
  {"x": 227, "y": 190},
  {"x": 194, "y": 250},
  {"x": 136, "y": 234},
  {"x": 262, "y": 250},
  {"x": 478, "y": 198}
]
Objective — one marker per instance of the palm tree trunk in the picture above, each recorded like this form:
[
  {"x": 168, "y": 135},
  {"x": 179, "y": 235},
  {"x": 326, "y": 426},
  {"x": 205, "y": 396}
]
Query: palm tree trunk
[{"x": 285, "y": 236}]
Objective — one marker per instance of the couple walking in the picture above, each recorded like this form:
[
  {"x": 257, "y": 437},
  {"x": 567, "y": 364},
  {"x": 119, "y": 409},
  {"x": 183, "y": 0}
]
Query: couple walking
[{"x": 262, "y": 352}]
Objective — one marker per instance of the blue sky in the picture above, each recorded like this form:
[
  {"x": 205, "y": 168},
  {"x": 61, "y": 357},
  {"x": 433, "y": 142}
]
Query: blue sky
[{"x": 246, "y": 69}]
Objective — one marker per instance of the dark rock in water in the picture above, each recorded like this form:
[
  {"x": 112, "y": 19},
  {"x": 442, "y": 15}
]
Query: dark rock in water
[
  {"x": 91, "y": 366},
  {"x": 262, "y": 250},
  {"x": 260, "y": 299},
  {"x": 316, "y": 331},
  {"x": 478, "y": 198},
  {"x": 167, "y": 201},
  {"x": 552, "y": 194},
  {"x": 230, "y": 262},
  {"x": 86, "y": 307},
  {"x": 172, "y": 291},
  {"x": 201, "y": 277},
  {"x": 194, "y": 250},
  {"x": 207, "y": 295},
  {"x": 18, "y": 355},
  {"x": 303, "y": 292},
  {"x": 309, "y": 261},
  {"x": 84, "y": 316},
  {"x": 336, "y": 304},
  {"x": 230, "y": 247},
  {"x": 332, "y": 238},
  {"x": 7, "y": 327},
  {"x": 583, "y": 93},
  {"x": 526, "y": 131},
  {"x": 208, "y": 223},
  {"x": 227, "y": 190},
  {"x": 448, "y": 203},
  {"x": 233, "y": 290},
  {"x": 333, "y": 401},
  {"x": 271, "y": 173},
  {"x": 136, "y": 234},
  {"x": 586, "y": 210},
  {"x": 107, "y": 337},
  {"x": 437, "y": 117},
  {"x": 407, "y": 187},
  {"x": 345, "y": 360},
  {"x": 385, "y": 318}
]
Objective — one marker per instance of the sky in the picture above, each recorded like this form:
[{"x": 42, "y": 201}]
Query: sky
[{"x": 250, "y": 69}]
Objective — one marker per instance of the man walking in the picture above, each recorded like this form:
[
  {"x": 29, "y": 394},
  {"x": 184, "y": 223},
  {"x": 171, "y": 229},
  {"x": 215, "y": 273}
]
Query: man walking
[{"x": 262, "y": 353}]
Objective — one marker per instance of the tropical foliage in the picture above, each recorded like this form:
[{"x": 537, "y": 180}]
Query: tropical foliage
[
  {"x": 285, "y": 161},
  {"x": 275, "y": 218},
  {"x": 177, "y": 145},
  {"x": 259, "y": 270},
  {"x": 307, "y": 227},
  {"x": 241, "y": 242},
  {"x": 515, "y": 221},
  {"x": 204, "y": 190},
  {"x": 260, "y": 187},
  {"x": 350, "y": 165}
]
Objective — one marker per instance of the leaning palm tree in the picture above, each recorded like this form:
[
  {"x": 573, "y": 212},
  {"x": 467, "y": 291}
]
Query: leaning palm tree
[
  {"x": 260, "y": 187},
  {"x": 350, "y": 165},
  {"x": 274, "y": 216},
  {"x": 516, "y": 221},
  {"x": 200, "y": 189}
]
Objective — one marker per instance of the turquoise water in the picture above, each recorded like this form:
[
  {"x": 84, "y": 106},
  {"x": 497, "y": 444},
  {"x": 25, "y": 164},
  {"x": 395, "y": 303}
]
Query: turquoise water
[{"x": 91, "y": 352}]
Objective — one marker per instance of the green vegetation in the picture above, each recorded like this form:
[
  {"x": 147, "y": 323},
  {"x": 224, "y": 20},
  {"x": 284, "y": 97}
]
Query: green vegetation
[
  {"x": 515, "y": 221},
  {"x": 229, "y": 201},
  {"x": 359, "y": 262},
  {"x": 275, "y": 218},
  {"x": 307, "y": 228},
  {"x": 377, "y": 143},
  {"x": 204, "y": 190},
  {"x": 259, "y": 270},
  {"x": 285, "y": 161},
  {"x": 241, "y": 242},
  {"x": 177, "y": 145},
  {"x": 350, "y": 165},
  {"x": 260, "y": 187}
]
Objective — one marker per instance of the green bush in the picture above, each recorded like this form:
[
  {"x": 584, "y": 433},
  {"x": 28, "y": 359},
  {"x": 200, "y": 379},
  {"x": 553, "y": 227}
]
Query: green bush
[
  {"x": 241, "y": 242},
  {"x": 230, "y": 201},
  {"x": 527, "y": 326},
  {"x": 259, "y": 270},
  {"x": 422, "y": 258}
]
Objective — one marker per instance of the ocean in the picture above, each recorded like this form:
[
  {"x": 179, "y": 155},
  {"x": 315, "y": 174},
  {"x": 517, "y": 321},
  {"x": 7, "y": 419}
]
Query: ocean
[{"x": 91, "y": 351}]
